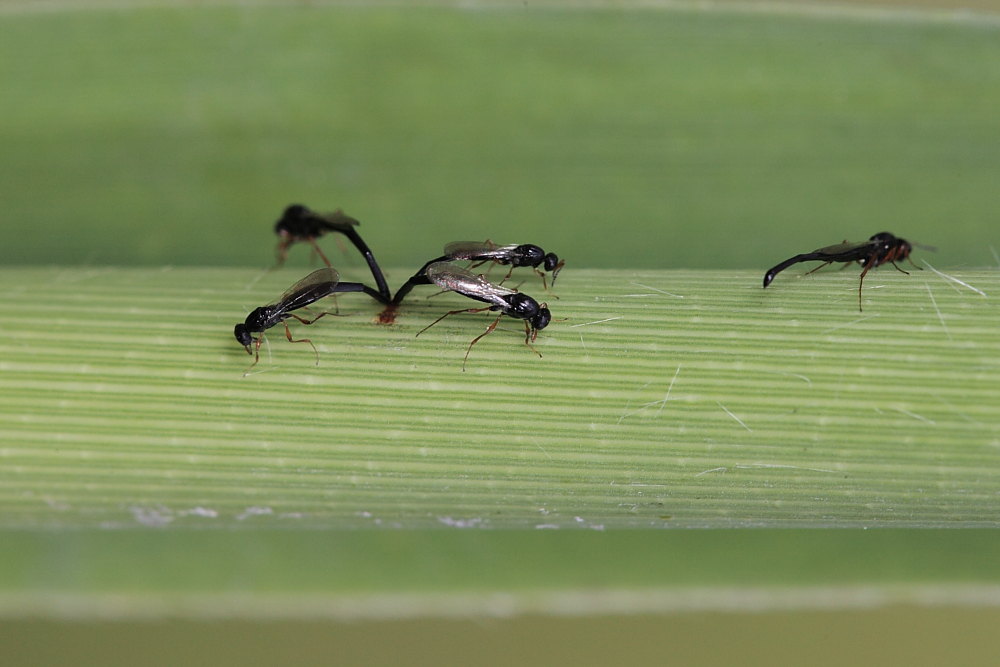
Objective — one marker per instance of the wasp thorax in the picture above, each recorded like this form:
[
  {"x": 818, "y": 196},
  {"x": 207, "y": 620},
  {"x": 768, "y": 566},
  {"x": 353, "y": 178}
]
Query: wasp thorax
[
  {"x": 522, "y": 306},
  {"x": 528, "y": 255}
]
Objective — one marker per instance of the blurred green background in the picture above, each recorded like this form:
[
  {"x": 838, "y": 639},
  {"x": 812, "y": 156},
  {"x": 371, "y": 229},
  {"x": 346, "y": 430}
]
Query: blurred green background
[{"x": 615, "y": 137}]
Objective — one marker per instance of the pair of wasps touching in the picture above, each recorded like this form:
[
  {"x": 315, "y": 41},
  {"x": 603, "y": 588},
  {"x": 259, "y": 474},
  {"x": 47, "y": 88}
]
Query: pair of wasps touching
[{"x": 300, "y": 224}]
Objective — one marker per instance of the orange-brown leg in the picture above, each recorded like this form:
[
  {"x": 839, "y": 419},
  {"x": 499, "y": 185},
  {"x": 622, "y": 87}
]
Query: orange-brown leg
[
  {"x": 288, "y": 335},
  {"x": 335, "y": 313},
  {"x": 282, "y": 251},
  {"x": 530, "y": 333},
  {"x": 452, "y": 312},
  {"x": 861, "y": 283},
  {"x": 319, "y": 252},
  {"x": 438, "y": 293},
  {"x": 510, "y": 272},
  {"x": 545, "y": 282},
  {"x": 339, "y": 240},
  {"x": 255, "y": 353},
  {"x": 818, "y": 268},
  {"x": 475, "y": 340}
]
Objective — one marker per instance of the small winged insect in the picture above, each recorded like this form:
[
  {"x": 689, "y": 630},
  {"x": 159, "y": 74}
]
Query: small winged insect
[
  {"x": 501, "y": 299},
  {"x": 298, "y": 223},
  {"x": 480, "y": 252},
  {"x": 317, "y": 285},
  {"x": 880, "y": 249},
  {"x": 513, "y": 256}
]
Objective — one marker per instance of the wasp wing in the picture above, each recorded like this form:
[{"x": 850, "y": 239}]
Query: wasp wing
[
  {"x": 848, "y": 250},
  {"x": 452, "y": 277},
  {"x": 477, "y": 250},
  {"x": 312, "y": 288},
  {"x": 338, "y": 221}
]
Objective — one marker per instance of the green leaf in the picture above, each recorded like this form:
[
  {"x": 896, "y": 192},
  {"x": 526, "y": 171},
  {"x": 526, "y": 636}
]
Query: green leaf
[
  {"x": 664, "y": 398},
  {"x": 142, "y": 476}
]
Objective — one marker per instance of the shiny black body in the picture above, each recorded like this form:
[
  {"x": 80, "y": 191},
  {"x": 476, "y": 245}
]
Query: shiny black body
[
  {"x": 500, "y": 299},
  {"x": 299, "y": 223},
  {"x": 882, "y": 248},
  {"x": 526, "y": 254},
  {"x": 317, "y": 285}
]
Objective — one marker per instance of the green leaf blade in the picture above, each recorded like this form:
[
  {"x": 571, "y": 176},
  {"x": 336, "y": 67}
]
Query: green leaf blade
[{"x": 663, "y": 398}]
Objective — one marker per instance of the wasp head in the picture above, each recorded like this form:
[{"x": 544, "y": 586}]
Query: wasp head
[
  {"x": 541, "y": 318},
  {"x": 243, "y": 336}
]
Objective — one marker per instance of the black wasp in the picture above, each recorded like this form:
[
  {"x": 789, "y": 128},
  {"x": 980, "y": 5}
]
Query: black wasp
[
  {"x": 880, "y": 249},
  {"x": 526, "y": 254},
  {"x": 514, "y": 256},
  {"x": 506, "y": 301},
  {"x": 317, "y": 285},
  {"x": 299, "y": 223}
]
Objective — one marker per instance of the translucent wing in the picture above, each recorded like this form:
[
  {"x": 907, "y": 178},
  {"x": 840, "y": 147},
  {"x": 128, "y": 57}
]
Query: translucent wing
[
  {"x": 312, "y": 288},
  {"x": 457, "y": 279},
  {"x": 477, "y": 250},
  {"x": 337, "y": 221}
]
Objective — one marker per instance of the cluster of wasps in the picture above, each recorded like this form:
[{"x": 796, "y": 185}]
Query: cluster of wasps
[{"x": 299, "y": 224}]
